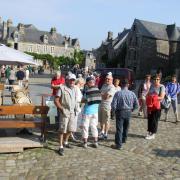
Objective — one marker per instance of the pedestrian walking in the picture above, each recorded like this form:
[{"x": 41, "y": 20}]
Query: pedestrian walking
[
  {"x": 65, "y": 100},
  {"x": 142, "y": 93},
  {"x": 154, "y": 97},
  {"x": 124, "y": 102},
  {"x": 172, "y": 90}
]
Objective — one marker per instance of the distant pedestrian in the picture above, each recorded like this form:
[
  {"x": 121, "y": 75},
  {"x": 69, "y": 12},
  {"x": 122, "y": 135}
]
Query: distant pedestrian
[
  {"x": 20, "y": 76},
  {"x": 117, "y": 85},
  {"x": 12, "y": 77},
  {"x": 142, "y": 93},
  {"x": 124, "y": 102},
  {"x": 172, "y": 90}
]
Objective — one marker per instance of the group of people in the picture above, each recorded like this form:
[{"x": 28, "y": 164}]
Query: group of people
[
  {"x": 80, "y": 103},
  {"x": 11, "y": 73}
]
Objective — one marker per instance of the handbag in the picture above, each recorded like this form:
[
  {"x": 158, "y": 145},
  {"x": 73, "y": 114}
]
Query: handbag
[{"x": 166, "y": 102}]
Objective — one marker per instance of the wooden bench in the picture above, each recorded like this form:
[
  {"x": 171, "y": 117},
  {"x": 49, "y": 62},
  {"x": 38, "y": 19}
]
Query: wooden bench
[{"x": 9, "y": 117}]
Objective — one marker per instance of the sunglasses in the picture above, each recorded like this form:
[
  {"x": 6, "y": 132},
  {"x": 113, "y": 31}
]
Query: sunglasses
[{"x": 156, "y": 79}]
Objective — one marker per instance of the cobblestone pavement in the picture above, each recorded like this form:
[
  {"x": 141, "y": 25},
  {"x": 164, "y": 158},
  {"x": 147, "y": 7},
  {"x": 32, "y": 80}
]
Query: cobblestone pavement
[{"x": 139, "y": 158}]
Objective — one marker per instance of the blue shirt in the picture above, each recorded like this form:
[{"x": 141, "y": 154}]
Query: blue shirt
[
  {"x": 91, "y": 109},
  {"x": 124, "y": 100},
  {"x": 172, "y": 89}
]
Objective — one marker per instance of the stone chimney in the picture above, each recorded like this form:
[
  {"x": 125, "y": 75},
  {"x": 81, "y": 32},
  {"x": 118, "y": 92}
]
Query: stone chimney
[
  {"x": 110, "y": 36},
  {"x": 4, "y": 30},
  {"x": 9, "y": 23},
  {"x": 53, "y": 31},
  {"x": 21, "y": 28}
]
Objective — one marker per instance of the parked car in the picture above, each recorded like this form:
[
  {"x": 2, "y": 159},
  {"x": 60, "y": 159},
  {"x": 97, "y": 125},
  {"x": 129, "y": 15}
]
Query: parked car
[{"x": 120, "y": 73}]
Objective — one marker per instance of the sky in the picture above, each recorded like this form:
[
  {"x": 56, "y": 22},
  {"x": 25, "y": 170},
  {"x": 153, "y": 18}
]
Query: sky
[{"x": 89, "y": 20}]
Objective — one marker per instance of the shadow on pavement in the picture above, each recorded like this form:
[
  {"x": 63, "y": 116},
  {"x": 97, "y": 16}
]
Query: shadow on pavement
[
  {"x": 167, "y": 153},
  {"x": 135, "y": 136}
]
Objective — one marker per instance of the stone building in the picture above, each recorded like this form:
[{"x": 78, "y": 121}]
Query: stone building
[
  {"x": 90, "y": 60},
  {"x": 152, "y": 46},
  {"x": 26, "y": 37},
  {"x": 147, "y": 47},
  {"x": 111, "y": 49}
]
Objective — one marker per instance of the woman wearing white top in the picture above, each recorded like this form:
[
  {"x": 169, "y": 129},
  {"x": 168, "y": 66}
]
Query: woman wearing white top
[{"x": 143, "y": 91}]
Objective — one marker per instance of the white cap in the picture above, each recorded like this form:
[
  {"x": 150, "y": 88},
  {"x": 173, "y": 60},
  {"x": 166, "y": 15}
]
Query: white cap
[{"x": 71, "y": 76}]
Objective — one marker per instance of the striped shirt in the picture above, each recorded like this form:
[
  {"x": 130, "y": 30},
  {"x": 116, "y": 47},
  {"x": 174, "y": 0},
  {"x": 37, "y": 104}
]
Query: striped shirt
[{"x": 124, "y": 100}]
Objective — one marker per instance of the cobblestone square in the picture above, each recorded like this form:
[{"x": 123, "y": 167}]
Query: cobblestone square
[{"x": 139, "y": 158}]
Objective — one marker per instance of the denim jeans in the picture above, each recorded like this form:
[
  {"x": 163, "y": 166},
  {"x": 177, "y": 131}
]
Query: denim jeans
[{"x": 122, "y": 126}]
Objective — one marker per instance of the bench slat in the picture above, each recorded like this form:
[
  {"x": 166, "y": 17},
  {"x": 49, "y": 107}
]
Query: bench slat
[
  {"x": 23, "y": 109},
  {"x": 20, "y": 124}
]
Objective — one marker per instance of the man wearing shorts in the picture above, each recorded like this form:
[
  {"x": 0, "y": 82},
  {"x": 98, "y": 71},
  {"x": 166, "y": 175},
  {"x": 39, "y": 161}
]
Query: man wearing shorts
[
  {"x": 65, "y": 100},
  {"x": 107, "y": 93}
]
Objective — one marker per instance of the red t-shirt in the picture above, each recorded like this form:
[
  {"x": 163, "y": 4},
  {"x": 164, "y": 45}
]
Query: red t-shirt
[{"x": 55, "y": 81}]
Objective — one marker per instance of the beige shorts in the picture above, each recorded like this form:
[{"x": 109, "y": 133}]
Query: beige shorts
[
  {"x": 67, "y": 124},
  {"x": 104, "y": 115}
]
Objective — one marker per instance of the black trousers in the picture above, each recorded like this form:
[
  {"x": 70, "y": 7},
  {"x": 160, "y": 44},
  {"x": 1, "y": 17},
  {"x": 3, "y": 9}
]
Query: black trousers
[{"x": 153, "y": 118}]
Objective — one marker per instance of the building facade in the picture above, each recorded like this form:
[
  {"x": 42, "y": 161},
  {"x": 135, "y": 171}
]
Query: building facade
[
  {"x": 153, "y": 47},
  {"x": 27, "y": 38},
  {"x": 110, "y": 51},
  {"x": 146, "y": 48}
]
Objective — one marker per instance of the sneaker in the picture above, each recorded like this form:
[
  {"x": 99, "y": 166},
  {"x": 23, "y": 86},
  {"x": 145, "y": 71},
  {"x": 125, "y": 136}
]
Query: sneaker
[
  {"x": 147, "y": 135},
  {"x": 151, "y": 137},
  {"x": 105, "y": 136},
  {"x": 101, "y": 136},
  {"x": 95, "y": 144},
  {"x": 61, "y": 151},
  {"x": 85, "y": 145},
  {"x": 68, "y": 146},
  {"x": 114, "y": 146}
]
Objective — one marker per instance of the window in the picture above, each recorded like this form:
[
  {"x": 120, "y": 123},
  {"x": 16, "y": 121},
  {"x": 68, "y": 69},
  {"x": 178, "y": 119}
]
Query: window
[
  {"x": 134, "y": 27},
  {"x": 30, "y": 48},
  {"x": 45, "y": 49},
  {"x": 52, "y": 50},
  {"x": 38, "y": 48},
  {"x": 134, "y": 55}
]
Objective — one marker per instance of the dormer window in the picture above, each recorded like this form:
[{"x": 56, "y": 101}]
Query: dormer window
[{"x": 45, "y": 39}]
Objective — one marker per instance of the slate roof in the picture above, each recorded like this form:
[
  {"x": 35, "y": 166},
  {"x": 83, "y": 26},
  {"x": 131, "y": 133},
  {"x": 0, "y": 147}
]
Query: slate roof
[
  {"x": 116, "y": 43},
  {"x": 157, "y": 30},
  {"x": 32, "y": 34}
]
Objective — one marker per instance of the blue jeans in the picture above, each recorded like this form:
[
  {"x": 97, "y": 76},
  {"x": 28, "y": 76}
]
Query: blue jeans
[{"x": 122, "y": 126}]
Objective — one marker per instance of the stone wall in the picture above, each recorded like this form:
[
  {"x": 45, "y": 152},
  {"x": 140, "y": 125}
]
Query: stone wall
[{"x": 45, "y": 49}]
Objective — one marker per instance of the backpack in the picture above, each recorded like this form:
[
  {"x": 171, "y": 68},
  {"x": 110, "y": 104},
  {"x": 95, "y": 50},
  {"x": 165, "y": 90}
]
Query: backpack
[{"x": 152, "y": 102}]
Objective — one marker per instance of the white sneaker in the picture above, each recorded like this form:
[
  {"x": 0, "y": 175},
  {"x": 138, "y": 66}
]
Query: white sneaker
[
  {"x": 147, "y": 135},
  {"x": 151, "y": 136}
]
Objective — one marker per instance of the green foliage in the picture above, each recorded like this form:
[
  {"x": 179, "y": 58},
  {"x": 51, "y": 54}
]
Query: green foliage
[
  {"x": 9, "y": 45},
  {"x": 55, "y": 62}
]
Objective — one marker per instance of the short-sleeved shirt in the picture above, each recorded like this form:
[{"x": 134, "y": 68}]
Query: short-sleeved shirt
[
  {"x": 90, "y": 109},
  {"x": 110, "y": 90},
  {"x": 56, "y": 81},
  {"x": 158, "y": 90},
  {"x": 72, "y": 93}
]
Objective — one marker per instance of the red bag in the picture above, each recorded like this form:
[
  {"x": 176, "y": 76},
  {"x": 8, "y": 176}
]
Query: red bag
[{"x": 152, "y": 102}]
